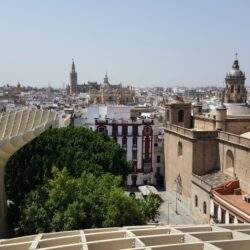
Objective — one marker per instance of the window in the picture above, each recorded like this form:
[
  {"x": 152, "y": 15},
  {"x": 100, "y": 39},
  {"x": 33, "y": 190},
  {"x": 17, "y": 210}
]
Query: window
[
  {"x": 147, "y": 131},
  {"x": 238, "y": 90},
  {"x": 229, "y": 162},
  {"x": 124, "y": 142},
  {"x": 167, "y": 115},
  {"x": 232, "y": 88},
  {"x": 135, "y": 130},
  {"x": 102, "y": 129},
  {"x": 216, "y": 208},
  {"x": 134, "y": 154},
  {"x": 124, "y": 130},
  {"x": 158, "y": 159},
  {"x": 231, "y": 218},
  {"x": 114, "y": 130},
  {"x": 204, "y": 207},
  {"x": 179, "y": 149},
  {"x": 196, "y": 200},
  {"x": 223, "y": 216},
  {"x": 156, "y": 140},
  {"x": 180, "y": 115},
  {"x": 134, "y": 141}
]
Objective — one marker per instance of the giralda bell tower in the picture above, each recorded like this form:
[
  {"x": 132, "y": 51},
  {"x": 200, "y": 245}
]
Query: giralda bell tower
[{"x": 73, "y": 79}]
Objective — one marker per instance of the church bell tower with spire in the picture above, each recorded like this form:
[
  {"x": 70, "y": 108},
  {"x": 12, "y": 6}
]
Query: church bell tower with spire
[
  {"x": 235, "y": 91},
  {"x": 73, "y": 79}
]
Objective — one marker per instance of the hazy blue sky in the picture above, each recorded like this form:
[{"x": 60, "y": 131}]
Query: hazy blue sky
[{"x": 144, "y": 42}]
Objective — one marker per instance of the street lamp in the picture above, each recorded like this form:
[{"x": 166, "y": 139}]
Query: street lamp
[{"x": 168, "y": 209}]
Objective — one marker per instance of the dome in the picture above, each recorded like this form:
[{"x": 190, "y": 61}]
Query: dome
[
  {"x": 235, "y": 71},
  {"x": 106, "y": 80}
]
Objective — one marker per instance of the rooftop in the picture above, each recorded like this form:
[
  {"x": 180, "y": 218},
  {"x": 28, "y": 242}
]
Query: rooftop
[
  {"x": 148, "y": 237},
  {"x": 231, "y": 196},
  {"x": 215, "y": 179},
  {"x": 246, "y": 135}
]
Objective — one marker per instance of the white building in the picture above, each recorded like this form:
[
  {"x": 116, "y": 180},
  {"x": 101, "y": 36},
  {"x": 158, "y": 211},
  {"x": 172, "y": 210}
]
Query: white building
[{"x": 137, "y": 136}]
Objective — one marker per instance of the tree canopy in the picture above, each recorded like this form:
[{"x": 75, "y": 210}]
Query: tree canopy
[
  {"x": 71, "y": 178},
  {"x": 76, "y": 149}
]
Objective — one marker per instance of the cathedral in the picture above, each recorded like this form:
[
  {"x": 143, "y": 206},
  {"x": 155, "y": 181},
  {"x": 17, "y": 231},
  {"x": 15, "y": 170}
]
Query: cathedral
[
  {"x": 207, "y": 156},
  {"x": 104, "y": 93},
  {"x": 112, "y": 94}
]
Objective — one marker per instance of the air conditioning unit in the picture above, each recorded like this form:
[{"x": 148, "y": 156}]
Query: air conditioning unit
[{"x": 247, "y": 198}]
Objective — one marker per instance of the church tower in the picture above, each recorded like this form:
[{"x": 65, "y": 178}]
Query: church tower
[
  {"x": 106, "y": 81},
  {"x": 235, "y": 91},
  {"x": 178, "y": 112},
  {"x": 73, "y": 79}
]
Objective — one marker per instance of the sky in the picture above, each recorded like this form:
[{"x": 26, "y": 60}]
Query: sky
[{"x": 139, "y": 42}]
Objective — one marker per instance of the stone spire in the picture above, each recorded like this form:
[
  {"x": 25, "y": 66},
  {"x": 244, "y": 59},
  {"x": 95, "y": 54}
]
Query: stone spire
[{"x": 73, "y": 69}]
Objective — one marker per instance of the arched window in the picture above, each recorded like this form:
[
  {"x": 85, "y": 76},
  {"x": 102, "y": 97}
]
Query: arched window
[
  {"x": 204, "y": 207},
  {"x": 167, "y": 115},
  {"x": 102, "y": 129},
  {"x": 229, "y": 162},
  {"x": 180, "y": 115},
  {"x": 179, "y": 149},
  {"x": 147, "y": 131},
  {"x": 196, "y": 200}
]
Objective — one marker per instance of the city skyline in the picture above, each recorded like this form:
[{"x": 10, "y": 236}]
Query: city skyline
[{"x": 148, "y": 43}]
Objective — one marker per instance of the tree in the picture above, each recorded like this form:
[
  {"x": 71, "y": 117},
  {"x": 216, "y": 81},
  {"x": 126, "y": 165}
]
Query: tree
[
  {"x": 71, "y": 178},
  {"x": 68, "y": 203},
  {"x": 151, "y": 206},
  {"x": 77, "y": 149}
]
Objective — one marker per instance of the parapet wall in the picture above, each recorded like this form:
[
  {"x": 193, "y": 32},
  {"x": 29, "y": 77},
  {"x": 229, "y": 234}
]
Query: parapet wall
[
  {"x": 235, "y": 139},
  {"x": 192, "y": 134},
  {"x": 199, "y": 134}
]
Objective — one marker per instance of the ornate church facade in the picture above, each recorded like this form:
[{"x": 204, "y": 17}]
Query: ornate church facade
[{"x": 112, "y": 94}]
